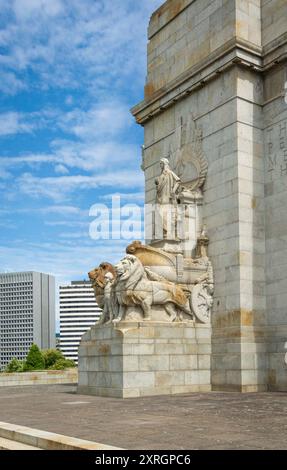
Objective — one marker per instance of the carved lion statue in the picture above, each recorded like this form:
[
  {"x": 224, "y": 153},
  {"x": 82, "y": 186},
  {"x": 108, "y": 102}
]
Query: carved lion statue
[
  {"x": 134, "y": 288},
  {"x": 97, "y": 276}
]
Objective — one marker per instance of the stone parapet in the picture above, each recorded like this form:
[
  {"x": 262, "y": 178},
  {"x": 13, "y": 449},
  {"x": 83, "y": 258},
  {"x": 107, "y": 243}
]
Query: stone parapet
[
  {"x": 192, "y": 41},
  {"x": 45, "y": 377}
]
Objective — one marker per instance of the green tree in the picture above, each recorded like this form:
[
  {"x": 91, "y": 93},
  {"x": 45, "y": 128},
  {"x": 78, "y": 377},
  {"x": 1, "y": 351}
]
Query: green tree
[
  {"x": 34, "y": 359},
  {"x": 14, "y": 366},
  {"x": 51, "y": 356},
  {"x": 62, "y": 364}
]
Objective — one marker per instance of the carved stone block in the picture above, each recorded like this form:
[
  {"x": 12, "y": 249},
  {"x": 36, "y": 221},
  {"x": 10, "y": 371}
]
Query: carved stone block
[{"x": 133, "y": 359}]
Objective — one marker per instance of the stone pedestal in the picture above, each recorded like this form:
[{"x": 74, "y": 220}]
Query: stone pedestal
[{"x": 132, "y": 359}]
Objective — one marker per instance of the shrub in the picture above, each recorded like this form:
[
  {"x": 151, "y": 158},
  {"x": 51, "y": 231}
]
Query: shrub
[
  {"x": 14, "y": 366},
  {"x": 51, "y": 356},
  {"x": 34, "y": 359},
  {"x": 63, "y": 363}
]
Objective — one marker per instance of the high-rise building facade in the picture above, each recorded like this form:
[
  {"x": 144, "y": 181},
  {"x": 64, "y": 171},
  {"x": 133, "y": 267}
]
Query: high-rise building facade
[
  {"x": 27, "y": 313},
  {"x": 78, "y": 312}
]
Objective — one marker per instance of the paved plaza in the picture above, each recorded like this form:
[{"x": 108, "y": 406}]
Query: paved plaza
[{"x": 215, "y": 420}]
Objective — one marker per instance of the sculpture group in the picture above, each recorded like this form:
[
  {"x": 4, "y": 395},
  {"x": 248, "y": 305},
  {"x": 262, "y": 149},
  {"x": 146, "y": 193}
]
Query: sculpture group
[{"x": 153, "y": 282}]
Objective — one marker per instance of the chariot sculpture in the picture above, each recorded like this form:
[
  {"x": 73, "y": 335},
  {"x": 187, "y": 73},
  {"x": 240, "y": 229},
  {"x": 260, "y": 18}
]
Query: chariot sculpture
[{"x": 162, "y": 280}]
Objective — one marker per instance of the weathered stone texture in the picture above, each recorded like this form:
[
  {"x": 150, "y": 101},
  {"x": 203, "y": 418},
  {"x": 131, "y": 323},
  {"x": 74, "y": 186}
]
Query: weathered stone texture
[
  {"x": 273, "y": 14},
  {"x": 223, "y": 61},
  {"x": 275, "y": 123},
  {"x": 19, "y": 379},
  {"x": 140, "y": 359},
  {"x": 183, "y": 34}
]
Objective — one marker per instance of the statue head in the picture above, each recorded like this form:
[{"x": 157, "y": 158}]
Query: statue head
[
  {"x": 164, "y": 163},
  {"x": 97, "y": 275},
  {"x": 109, "y": 277}
]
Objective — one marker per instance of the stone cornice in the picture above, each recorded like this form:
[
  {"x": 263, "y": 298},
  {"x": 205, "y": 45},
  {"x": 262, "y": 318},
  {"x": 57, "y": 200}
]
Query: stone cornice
[
  {"x": 275, "y": 52},
  {"x": 234, "y": 52}
]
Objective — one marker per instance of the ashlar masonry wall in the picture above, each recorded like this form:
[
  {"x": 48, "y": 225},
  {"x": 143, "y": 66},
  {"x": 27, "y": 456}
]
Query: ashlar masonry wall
[{"x": 222, "y": 63}]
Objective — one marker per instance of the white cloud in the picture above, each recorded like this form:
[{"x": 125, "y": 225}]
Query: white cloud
[
  {"x": 96, "y": 51},
  {"x": 29, "y": 160},
  {"x": 24, "y": 9},
  {"x": 90, "y": 156},
  {"x": 97, "y": 132},
  {"x": 125, "y": 197},
  {"x": 61, "y": 169},
  {"x": 56, "y": 39},
  {"x": 8, "y": 225},
  {"x": 64, "y": 259},
  {"x": 12, "y": 123},
  {"x": 105, "y": 119},
  {"x": 85, "y": 156},
  {"x": 74, "y": 235},
  {"x": 9, "y": 83},
  {"x": 66, "y": 223},
  {"x": 4, "y": 174},
  {"x": 59, "y": 188},
  {"x": 61, "y": 210},
  {"x": 69, "y": 100}
]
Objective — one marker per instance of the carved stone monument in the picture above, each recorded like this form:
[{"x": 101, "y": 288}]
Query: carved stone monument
[
  {"x": 202, "y": 304},
  {"x": 154, "y": 333}
]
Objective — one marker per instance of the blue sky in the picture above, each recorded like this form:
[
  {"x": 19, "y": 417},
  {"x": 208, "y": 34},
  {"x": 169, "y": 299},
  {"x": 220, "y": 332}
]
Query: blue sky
[{"x": 70, "y": 72}]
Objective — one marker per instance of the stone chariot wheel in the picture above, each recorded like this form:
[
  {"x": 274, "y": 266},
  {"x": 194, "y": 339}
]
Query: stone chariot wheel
[{"x": 201, "y": 302}]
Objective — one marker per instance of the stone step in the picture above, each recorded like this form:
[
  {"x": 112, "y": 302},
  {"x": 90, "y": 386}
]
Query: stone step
[
  {"x": 7, "y": 444},
  {"x": 47, "y": 440}
]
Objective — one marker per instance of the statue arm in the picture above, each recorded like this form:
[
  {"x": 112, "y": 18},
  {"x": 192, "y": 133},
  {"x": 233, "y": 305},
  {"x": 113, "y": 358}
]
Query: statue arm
[
  {"x": 176, "y": 183},
  {"x": 176, "y": 187}
]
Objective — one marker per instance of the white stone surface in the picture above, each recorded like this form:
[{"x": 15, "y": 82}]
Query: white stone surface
[
  {"x": 162, "y": 366},
  {"x": 243, "y": 117}
]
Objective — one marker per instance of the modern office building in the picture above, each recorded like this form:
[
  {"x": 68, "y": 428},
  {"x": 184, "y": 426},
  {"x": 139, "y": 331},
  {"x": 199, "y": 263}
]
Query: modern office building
[
  {"x": 57, "y": 340},
  {"x": 78, "y": 312},
  {"x": 27, "y": 313}
]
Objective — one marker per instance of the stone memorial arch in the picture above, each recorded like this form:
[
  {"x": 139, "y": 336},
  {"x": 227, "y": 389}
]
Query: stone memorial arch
[{"x": 214, "y": 310}]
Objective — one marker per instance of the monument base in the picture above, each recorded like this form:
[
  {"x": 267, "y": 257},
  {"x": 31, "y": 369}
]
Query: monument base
[{"x": 133, "y": 359}]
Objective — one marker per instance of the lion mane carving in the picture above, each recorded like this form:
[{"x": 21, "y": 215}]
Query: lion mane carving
[
  {"x": 97, "y": 277},
  {"x": 133, "y": 287}
]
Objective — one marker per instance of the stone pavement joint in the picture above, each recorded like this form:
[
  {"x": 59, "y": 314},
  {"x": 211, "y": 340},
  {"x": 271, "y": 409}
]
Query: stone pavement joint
[{"x": 215, "y": 420}]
